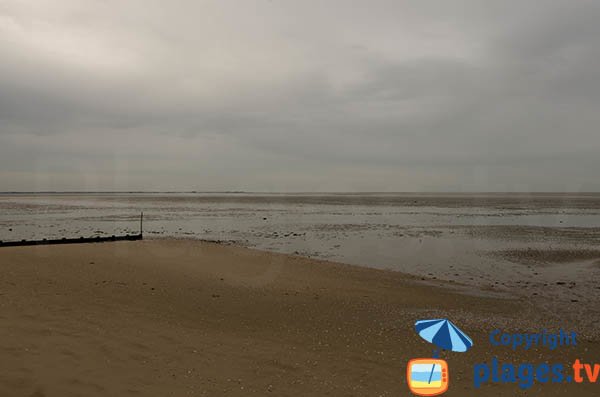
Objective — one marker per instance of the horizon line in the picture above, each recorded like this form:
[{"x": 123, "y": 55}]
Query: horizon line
[{"x": 285, "y": 192}]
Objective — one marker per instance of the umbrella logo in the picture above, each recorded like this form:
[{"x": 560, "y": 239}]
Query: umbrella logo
[{"x": 430, "y": 376}]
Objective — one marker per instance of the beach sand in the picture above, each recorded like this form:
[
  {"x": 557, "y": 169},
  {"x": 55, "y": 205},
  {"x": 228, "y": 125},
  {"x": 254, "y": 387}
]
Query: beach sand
[{"x": 189, "y": 318}]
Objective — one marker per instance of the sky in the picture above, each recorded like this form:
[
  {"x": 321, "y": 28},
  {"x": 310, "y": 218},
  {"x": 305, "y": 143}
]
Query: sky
[{"x": 287, "y": 96}]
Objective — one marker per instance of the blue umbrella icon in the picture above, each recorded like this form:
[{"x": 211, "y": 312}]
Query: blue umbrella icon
[{"x": 444, "y": 334}]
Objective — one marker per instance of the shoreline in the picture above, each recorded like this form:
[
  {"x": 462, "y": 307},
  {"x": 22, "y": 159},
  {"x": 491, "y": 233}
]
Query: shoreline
[
  {"x": 552, "y": 292},
  {"x": 182, "y": 317}
]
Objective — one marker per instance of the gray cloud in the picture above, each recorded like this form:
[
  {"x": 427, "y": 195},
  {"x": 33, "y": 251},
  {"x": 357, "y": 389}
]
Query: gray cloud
[{"x": 286, "y": 95}]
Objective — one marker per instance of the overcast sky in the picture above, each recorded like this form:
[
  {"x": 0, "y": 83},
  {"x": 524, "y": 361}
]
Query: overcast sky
[{"x": 300, "y": 95}]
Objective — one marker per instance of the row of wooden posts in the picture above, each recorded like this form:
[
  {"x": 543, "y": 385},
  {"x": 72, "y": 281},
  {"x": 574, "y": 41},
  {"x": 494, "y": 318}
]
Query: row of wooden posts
[{"x": 79, "y": 240}]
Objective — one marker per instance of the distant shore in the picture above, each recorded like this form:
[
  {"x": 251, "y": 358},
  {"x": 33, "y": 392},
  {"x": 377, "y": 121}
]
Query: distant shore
[{"x": 179, "y": 317}]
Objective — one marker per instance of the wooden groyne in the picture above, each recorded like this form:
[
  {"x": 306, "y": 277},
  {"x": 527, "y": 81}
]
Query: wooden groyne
[
  {"x": 128, "y": 237},
  {"x": 79, "y": 240}
]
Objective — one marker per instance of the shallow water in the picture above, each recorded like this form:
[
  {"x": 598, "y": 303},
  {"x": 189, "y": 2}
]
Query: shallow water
[{"x": 457, "y": 237}]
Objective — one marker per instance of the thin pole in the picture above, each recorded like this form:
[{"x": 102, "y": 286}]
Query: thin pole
[
  {"x": 141, "y": 223},
  {"x": 431, "y": 374}
]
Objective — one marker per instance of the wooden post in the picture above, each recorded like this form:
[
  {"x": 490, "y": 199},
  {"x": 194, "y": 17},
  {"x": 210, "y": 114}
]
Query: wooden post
[{"x": 142, "y": 223}]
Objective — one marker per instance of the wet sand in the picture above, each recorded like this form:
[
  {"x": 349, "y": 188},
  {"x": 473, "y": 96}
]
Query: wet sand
[{"x": 168, "y": 317}]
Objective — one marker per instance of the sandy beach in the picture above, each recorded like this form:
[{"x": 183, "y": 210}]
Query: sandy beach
[{"x": 180, "y": 317}]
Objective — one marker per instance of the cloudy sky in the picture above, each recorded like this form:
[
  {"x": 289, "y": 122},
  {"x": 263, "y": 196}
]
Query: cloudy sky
[{"x": 305, "y": 95}]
